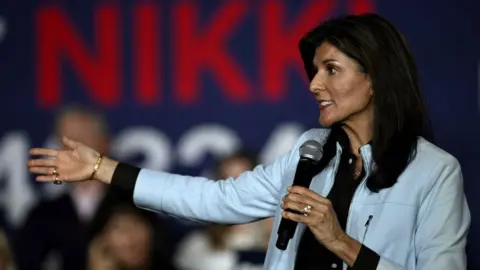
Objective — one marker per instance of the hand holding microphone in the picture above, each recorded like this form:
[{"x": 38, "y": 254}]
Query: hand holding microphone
[
  {"x": 303, "y": 205},
  {"x": 320, "y": 216}
]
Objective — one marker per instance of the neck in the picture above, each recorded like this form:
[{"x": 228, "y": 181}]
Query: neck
[{"x": 359, "y": 132}]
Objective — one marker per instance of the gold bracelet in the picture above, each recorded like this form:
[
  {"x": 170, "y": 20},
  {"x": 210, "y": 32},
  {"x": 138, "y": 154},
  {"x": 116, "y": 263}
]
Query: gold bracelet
[{"x": 97, "y": 166}]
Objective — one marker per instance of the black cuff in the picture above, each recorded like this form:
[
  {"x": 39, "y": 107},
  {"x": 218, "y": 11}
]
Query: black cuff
[
  {"x": 125, "y": 177},
  {"x": 367, "y": 259}
]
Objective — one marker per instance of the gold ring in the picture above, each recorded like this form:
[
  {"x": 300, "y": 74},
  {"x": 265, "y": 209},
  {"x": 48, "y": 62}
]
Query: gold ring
[
  {"x": 54, "y": 172},
  {"x": 307, "y": 210},
  {"x": 56, "y": 181}
]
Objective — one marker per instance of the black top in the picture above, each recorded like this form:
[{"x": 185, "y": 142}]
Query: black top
[
  {"x": 311, "y": 254},
  {"x": 52, "y": 226}
]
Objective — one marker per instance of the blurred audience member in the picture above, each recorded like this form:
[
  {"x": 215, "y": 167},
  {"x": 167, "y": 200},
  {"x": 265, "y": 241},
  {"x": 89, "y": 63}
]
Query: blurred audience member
[
  {"x": 6, "y": 256},
  {"x": 127, "y": 242},
  {"x": 59, "y": 228},
  {"x": 247, "y": 236},
  {"x": 216, "y": 247}
]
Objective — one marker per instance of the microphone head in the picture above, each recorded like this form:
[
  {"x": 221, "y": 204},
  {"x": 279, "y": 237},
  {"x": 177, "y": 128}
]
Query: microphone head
[{"x": 312, "y": 150}]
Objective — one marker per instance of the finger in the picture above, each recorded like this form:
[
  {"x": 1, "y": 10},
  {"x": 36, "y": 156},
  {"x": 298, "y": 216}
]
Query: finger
[
  {"x": 305, "y": 200},
  {"x": 43, "y": 152},
  {"x": 305, "y": 192},
  {"x": 50, "y": 178},
  {"x": 43, "y": 162},
  {"x": 297, "y": 218},
  {"x": 293, "y": 206},
  {"x": 41, "y": 170},
  {"x": 69, "y": 143},
  {"x": 319, "y": 213},
  {"x": 311, "y": 220}
]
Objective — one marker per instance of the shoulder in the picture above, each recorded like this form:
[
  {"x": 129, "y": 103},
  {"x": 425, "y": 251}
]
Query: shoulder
[
  {"x": 196, "y": 240},
  {"x": 432, "y": 156},
  {"x": 432, "y": 170},
  {"x": 51, "y": 207},
  {"x": 431, "y": 166},
  {"x": 194, "y": 246}
]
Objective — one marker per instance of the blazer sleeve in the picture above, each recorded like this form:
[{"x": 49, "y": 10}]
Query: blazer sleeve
[
  {"x": 443, "y": 223},
  {"x": 252, "y": 196}
]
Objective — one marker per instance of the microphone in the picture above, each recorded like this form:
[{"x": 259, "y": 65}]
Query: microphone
[{"x": 310, "y": 154}]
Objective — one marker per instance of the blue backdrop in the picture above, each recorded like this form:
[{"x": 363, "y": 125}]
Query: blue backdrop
[{"x": 181, "y": 81}]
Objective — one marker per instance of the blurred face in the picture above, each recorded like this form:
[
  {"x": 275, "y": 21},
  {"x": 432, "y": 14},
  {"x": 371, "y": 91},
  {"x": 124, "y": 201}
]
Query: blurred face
[
  {"x": 87, "y": 130},
  {"x": 128, "y": 238},
  {"x": 83, "y": 128},
  {"x": 341, "y": 90},
  {"x": 234, "y": 167}
]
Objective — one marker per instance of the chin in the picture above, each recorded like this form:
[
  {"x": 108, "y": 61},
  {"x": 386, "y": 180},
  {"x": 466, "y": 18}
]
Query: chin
[{"x": 326, "y": 122}]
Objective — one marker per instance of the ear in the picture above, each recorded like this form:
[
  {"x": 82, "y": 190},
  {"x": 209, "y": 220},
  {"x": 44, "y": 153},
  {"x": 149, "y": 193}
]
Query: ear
[{"x": 370, "y": 88}]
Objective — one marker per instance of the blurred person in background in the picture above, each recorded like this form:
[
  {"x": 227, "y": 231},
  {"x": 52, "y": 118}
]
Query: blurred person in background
[
  {"x": 245, "y": 236},
  {"x": 56, "y": 232},
  {"x": 127, "y": 242},
  {"x": 6, "y": 257},
  {"x": 216, "y": 246}
]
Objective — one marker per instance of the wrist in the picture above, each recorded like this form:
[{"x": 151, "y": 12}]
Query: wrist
[
  {"x": 105, "y": 170},
  {"x": 339, "y": 244},
  {"x": 346, "y": 248}
]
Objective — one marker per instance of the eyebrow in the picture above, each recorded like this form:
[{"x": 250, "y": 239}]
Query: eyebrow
[
  {"x": 326, "y": 61},
  {"x": 329, "y": 60}
]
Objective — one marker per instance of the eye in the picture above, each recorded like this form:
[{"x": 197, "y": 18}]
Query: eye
[{"x": 331, "y": 70}]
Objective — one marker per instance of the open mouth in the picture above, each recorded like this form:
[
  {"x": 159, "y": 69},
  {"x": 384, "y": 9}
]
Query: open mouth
[{"x": 324, "y": 104}]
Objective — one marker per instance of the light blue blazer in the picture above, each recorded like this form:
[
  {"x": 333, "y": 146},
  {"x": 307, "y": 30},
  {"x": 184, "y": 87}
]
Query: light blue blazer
[{"x": 420, "y": 223}]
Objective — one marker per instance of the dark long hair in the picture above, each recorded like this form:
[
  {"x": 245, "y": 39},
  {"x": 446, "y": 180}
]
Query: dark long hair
[{"x": 400, "y": 115}]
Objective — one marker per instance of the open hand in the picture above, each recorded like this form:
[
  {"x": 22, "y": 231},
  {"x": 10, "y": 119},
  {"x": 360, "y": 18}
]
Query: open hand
[{"x": 73, "y": 163}]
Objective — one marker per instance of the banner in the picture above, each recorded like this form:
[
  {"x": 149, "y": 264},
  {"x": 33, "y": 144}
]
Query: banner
[{"x": 181, "y": 82}]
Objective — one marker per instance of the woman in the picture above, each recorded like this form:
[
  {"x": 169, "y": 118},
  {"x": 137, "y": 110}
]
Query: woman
[
  {"x": 385, "y": 198},
  {"x": 127, "y": 241}
]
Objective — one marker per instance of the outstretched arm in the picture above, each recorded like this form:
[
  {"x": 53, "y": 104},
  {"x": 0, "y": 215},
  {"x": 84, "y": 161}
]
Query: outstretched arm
[{"x": 253, "y": 195}]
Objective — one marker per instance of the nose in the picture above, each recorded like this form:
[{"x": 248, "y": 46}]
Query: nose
[{"x": 317, "y": 84}]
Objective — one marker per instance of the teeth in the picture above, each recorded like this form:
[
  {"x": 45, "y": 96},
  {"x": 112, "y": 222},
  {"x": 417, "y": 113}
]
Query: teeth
[{"x": 325, "y": 103}]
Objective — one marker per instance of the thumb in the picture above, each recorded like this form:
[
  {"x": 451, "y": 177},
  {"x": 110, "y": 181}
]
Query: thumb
[{"x": 69, "y": 143}]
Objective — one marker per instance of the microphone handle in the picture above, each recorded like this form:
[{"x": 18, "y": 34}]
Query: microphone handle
[{"x": 303, "y": 177}]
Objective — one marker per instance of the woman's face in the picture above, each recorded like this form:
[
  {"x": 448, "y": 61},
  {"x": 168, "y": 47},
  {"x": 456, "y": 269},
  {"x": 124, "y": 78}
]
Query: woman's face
[{"x": 341, "y": 90}]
